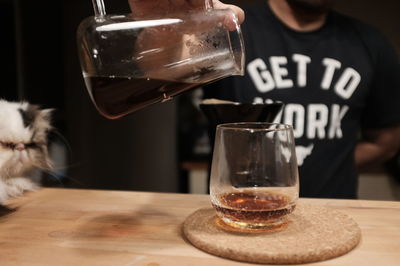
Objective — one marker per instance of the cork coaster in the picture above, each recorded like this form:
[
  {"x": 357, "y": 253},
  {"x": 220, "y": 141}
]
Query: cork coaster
[{"x": 313, "y": 233}]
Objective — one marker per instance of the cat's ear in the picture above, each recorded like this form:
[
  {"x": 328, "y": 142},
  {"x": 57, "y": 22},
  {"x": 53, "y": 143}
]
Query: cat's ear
[
  {"x": 46, "y": 114},
  {"x": 43, "y": 119}
]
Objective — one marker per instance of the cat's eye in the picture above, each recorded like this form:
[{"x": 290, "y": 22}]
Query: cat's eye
[
  {"x": 31, "y": 145},
  {"x": 11, "y": 145},
  {"x": 7, "y": 144}
]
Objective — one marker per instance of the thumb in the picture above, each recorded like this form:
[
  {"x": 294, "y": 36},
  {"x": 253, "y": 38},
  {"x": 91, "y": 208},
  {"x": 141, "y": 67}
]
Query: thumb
[{"x": 237, "y": 10}]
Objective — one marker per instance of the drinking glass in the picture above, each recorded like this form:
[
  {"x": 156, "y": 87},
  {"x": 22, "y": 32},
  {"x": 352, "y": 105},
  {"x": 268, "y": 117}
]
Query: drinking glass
[
  {"x": 254, "y": 176},
  {"x": 131, "y": 61}
]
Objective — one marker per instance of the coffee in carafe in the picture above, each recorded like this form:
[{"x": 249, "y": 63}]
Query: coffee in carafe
[{"x": 116, "y": 97}]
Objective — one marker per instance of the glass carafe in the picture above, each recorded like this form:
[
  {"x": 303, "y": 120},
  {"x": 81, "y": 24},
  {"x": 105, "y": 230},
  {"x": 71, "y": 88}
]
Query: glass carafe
[{"x": 132, "y": 61}]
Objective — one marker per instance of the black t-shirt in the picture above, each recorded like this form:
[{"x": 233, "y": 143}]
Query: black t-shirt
[{"x": 334, "y": 81}]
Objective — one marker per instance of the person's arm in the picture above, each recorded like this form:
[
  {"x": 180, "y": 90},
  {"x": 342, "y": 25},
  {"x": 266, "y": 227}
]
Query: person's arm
[
  {"x": 380, "y": 120},
  {"x": 144, "y": 7},
  {"x": 378, "y": 145}
]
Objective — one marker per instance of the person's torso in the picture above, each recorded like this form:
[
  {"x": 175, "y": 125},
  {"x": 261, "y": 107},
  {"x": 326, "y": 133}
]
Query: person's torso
[{"x": 323, "y": 77}]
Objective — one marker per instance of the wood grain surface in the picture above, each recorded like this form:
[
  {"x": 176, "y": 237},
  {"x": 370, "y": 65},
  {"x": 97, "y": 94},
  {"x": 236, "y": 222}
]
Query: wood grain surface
[{"x": 88, "y": 227}]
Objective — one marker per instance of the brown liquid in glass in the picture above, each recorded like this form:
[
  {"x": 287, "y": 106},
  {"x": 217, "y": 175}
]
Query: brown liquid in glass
[
  {"x": 115, "y": 97},
  {"x": 250, "y": 207}
]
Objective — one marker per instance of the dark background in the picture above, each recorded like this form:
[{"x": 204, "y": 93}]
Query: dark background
[{"x": 143, "y": 151}]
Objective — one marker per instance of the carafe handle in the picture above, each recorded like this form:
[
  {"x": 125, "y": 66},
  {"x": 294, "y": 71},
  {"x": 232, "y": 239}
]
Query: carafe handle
[
  {"x": 209, "y": 4},
  {"x": 99, "y": 9}
]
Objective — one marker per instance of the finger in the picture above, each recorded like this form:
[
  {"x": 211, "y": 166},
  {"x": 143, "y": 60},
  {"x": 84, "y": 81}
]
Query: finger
[
  {"x": 238, "y": 11},
  {"x": 231, "y": 22}
]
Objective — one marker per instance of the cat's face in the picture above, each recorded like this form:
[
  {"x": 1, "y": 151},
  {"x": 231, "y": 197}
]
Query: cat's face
[{"x": 23, "y": 138}]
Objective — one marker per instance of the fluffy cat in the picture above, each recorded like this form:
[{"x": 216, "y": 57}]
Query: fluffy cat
[{"x": 23, "y": 146}]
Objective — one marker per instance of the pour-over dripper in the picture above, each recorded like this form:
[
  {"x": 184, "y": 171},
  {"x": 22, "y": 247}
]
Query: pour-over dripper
[{"x": 220, "y": 113}]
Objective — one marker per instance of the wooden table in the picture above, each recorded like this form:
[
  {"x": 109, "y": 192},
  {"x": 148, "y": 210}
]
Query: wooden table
[{"x": 87, "y": 227}]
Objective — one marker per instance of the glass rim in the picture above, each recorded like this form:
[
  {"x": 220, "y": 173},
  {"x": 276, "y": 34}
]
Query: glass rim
[
  {"x": 255, "y": 126},
  {"x": 180, "y": 14}
]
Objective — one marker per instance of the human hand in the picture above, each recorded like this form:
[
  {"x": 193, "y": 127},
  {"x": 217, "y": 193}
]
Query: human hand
[
  {"x": 144, "y": 7},
  {"x": 237, "y": 10},
  {"x": 176, "y": 39}
]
